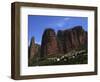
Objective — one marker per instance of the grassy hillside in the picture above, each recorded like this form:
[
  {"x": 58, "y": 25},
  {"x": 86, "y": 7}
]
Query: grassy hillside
[{"x": 73, "y": 57}]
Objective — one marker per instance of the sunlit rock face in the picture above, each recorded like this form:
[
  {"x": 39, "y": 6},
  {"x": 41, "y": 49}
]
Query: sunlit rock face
[
  {"x": 32, "y": 49},
  {"x": 53, "y": 44},
  {"x": 60, "y": 39},
  {"x": 49, "y": 44},
  {"x": 74, "y": 38}
]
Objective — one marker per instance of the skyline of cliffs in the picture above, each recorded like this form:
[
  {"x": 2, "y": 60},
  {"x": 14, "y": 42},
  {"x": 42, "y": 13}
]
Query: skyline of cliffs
[
  {"x": 59, "y": 43},
  {"x": 38, "y": 23}
]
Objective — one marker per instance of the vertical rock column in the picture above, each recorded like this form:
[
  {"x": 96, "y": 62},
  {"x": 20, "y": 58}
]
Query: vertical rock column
[
  {"x": 32, "y": 50},
  {"x": 60, "y": 39},
  {"x": 49, "y": 45}
]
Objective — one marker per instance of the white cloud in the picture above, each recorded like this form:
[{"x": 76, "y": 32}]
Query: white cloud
[
  {"x": 66, "y": 18},
  {"x": 60, "y": 24}
]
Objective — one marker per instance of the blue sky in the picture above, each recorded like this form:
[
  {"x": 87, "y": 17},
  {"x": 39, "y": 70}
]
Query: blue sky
[{"x": 38, "y": 23}]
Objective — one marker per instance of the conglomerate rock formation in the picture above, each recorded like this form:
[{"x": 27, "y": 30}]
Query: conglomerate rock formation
[
  {"x": 70, "y": 39},
  {"x": 61, "y": 42},
  {"x": 64, "y": 41},
  {"x": 49, "y": 45},
  {"x": 33, "y": 51}
]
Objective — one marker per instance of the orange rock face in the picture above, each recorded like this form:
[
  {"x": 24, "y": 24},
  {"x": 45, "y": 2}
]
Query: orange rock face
[
  {"x": 73, "y": 38},
  {"x": 49, "y": 44},
  {"x": 62, "y": 42},
  {"x": 32, "y": 49}
]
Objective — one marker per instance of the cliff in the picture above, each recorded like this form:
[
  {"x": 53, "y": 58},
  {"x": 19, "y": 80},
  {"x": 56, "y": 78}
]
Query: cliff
[{"x": 64, "y": 42}]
